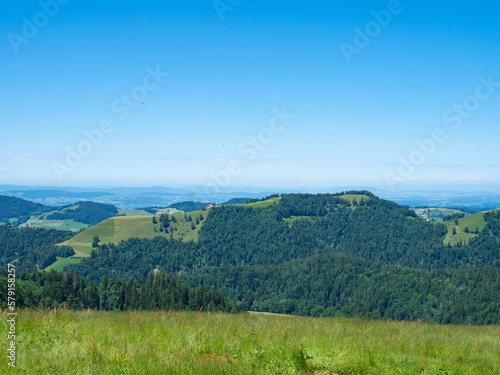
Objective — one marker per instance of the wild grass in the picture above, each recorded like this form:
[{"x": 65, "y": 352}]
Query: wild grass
[{"x": 158, "y": 342}]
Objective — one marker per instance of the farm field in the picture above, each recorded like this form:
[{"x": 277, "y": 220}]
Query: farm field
[
  {"x": 117, "y": 229},
  {"x": 42, "y": 222},
  {"x": 159, "y": 342},
  {"x": 434, "y": 214}
]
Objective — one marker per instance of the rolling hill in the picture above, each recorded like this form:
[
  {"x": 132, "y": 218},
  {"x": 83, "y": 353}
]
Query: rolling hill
[
  {"x": 16, "y": 211},
  {"x": 117, "y": 229},
  {"x": 74, "y": 217},
  {"x": 345, "y": 254}
]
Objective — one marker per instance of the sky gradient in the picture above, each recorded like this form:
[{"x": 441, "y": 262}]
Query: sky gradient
[{"x": 254, "y": 93}]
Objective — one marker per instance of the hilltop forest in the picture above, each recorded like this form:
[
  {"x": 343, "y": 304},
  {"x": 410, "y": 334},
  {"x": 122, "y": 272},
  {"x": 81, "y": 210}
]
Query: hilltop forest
[
  {"x": 345, "y": 254},
  {"x": 325, "y": 255}
]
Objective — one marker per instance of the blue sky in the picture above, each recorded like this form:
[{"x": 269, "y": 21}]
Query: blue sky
[{"x": 353, "y": 118}]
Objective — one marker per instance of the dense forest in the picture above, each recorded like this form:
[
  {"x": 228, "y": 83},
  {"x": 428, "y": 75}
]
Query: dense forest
[
  {"x": 158, "y": 291},
  {"x": 343, "y": 285},
  {"x": 86, "y": 212},
  {"x": 374, "y": 229},
  {"x": 32, "y": 248},
  {"x": 324, "y": 255},
  {"x": 20, "y": 209},
  {"x": 345, "y": 254}
]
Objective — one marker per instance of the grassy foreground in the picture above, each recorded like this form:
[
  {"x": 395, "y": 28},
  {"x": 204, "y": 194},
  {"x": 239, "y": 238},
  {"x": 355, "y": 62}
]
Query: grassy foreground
[{"x": 159, "y": 342}]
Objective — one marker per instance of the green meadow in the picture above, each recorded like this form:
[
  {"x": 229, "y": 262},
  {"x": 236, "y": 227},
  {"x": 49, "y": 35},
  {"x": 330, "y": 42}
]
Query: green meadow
[
  {"x": 472, "y": 222},
  {"x": 260, "y": 204},
  {"x": 159, "y": 342},
  {"x": 120, "y": 228},
  {"x": 63, "y": 262},
  {"x": 42, "y": 222}
]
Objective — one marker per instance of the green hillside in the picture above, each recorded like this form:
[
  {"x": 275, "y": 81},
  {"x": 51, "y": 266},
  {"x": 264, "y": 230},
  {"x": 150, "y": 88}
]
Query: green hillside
[
  {"x": 260, "y": 204},
  {"x": 325, "y": 255},
  {"x": 474, "y": 222},
  {"x": 82, "y": 215},
  {"x": 121, "y": 228},
  {"x": 74, "y": 217},
  {"x": 16, "y": 211}
]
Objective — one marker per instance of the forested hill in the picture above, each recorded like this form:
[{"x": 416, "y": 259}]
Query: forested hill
[
  {"x": 19, "y": 210},
  {"x": 85, "y": 212},
  {"x": 289, "y": 231},
  {"x": 297, "y": 227},
  {"x": 32, "y": 248},
  {"x": 16, "y": 211}
]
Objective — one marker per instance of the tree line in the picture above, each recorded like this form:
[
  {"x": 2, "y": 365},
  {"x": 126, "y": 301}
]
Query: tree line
[
  {"x": 158, "y": 291},
  {"x": 86, "y": 212},
  {"x": 32, "y": 248}
]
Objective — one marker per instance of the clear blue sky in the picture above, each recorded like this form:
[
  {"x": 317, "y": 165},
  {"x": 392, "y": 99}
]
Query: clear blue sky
[{"x": 67, "y": 68}]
